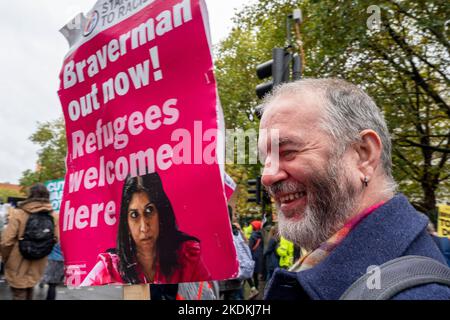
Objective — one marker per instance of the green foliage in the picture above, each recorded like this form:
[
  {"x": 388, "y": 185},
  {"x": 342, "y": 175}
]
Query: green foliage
[
  {"x": 5, "y": 193},
  {"x": 51, "y": 137}
]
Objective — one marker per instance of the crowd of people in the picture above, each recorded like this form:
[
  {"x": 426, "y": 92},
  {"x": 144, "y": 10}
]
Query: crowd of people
[{"x": 337, "y": 205}]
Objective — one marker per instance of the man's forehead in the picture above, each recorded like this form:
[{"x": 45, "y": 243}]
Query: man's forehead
[{"x": 304, "y": 108}]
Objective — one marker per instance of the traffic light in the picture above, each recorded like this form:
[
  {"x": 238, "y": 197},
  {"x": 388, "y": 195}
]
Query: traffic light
[
  {"x": 265, "y": 199},
  {"x": 277, "y": 68},
  {"x": 254, "y": 188},
  {"x": 258, "y": 194}
]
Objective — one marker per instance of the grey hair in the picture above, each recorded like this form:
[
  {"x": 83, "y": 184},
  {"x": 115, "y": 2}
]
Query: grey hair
[{"x": 348, "y": 111}]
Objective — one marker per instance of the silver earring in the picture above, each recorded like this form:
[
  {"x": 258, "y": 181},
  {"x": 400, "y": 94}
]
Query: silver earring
[{"x": 366, "y": 181}]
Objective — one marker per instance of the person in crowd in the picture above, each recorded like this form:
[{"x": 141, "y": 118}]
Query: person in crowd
[
  {"x": 256, "y": 245},
  {"x": 443, "y": 243},
  {"x": 204, "y": 290},
  {"x": 150, "y": 248},
  {"x": 232, "y": 289},
  {"x": 331, "y": 179},
  {"x": 54, "y": 272},
  {"x": 23, "y": 274},
  {"x": 285, "y": 251},
  {"x": 270, "y": 253},
  {"x": 247, "y": 230},
  {"x": 254, "y": 292}
]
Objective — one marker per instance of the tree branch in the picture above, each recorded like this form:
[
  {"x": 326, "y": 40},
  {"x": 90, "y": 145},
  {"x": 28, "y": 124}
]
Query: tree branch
[
  {"x": 423, "y": 146},
  {"x": 416, "y": 77},
  {"x": 410, "y": 52},
  {"x": 410, "y": 164},
  {"x": 440, "y": 37}
]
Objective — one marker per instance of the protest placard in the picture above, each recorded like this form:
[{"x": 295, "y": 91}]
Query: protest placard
[
  {"x": 143, "y": 125},
  {"x": 444, "y": 220},
  {"x": 55, "y": 188}
]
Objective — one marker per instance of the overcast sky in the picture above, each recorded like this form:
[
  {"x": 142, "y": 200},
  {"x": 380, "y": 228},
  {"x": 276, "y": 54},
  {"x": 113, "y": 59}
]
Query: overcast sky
[{"x": 31, "y": 55}]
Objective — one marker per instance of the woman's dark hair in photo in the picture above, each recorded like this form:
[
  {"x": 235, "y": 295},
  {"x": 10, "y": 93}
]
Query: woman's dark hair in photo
[
  {"x": 230, "y": 215},
  {"x": 39, "y": 191},
  {"x": 170, "y": 239}
]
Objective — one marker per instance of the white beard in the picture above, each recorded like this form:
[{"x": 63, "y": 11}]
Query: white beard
[
  {"x": 323, "y": 216},
  {"x": 306, "y": 232}
]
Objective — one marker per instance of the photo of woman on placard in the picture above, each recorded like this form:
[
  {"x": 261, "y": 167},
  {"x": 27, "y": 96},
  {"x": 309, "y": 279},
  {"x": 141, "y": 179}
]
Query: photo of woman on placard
[{"x": 150, "y": 248}]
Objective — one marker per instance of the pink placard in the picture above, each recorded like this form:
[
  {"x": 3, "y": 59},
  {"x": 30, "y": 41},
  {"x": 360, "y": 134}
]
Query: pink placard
[{"x": 144, "y": 198}]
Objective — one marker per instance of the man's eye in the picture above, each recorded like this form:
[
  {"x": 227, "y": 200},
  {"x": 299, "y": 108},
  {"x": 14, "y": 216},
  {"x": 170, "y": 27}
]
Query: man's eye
[{"x": 288, "y": 154}]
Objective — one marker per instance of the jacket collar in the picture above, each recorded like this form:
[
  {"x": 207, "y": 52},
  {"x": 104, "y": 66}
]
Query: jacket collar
[
  {"x": 384, "y": 235},
  {"x": 35, "y": 205}
]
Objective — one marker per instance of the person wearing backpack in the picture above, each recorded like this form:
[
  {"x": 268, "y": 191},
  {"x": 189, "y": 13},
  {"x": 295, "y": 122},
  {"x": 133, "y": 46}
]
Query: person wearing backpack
[{"x": 27, "y": 241}]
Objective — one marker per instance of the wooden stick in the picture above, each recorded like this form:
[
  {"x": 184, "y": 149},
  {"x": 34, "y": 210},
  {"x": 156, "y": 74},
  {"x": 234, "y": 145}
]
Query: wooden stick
[
  {"x": 136, "y": 292},
  {"x": 300, "y": 44}
]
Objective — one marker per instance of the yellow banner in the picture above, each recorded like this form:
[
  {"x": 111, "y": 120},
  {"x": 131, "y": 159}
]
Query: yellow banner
[{"x": 444, "y": 220}]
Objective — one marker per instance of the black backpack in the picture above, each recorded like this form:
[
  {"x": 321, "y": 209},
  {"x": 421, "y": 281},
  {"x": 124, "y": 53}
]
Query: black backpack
[{"x": 39, "y": 236}]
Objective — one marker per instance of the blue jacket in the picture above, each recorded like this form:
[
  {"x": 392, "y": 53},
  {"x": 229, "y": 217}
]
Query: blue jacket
[
  {"x": 395, "y": 229},
  {"x": 56, "y": 253}
]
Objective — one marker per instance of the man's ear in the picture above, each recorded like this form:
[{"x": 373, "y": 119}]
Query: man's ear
[{"x": 368, "y": 150}]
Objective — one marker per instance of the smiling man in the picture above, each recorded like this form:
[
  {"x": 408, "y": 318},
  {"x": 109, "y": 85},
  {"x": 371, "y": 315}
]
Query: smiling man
[{"x": 334, "y": 190}]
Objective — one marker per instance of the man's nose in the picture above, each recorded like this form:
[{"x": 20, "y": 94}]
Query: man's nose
[{"x": 272, "y": 174}]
